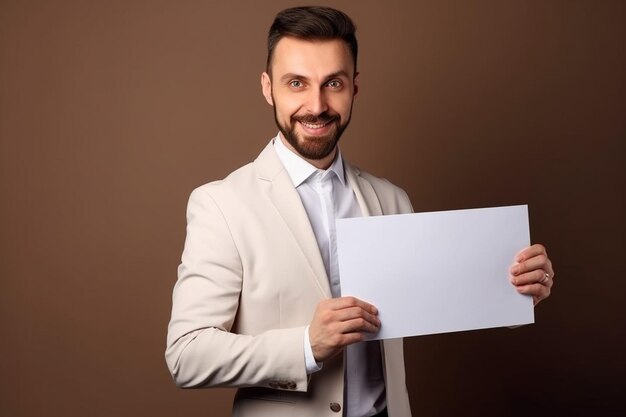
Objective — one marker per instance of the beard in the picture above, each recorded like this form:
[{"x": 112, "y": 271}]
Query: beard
[{"x": 313, "y": 147}]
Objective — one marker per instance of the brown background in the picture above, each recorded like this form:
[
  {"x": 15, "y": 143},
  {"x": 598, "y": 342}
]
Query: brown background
[{"x": 111, "y": 112}]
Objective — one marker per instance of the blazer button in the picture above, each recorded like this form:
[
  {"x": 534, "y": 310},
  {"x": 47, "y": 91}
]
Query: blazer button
[{"x": 335, "y": 407}]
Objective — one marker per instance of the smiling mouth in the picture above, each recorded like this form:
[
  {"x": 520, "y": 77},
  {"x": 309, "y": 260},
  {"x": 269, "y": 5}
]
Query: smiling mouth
[{"x": 314, "y": 125}]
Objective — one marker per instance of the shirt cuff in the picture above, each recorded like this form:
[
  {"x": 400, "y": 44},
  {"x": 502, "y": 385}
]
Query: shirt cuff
[{"x": 311, "y": 364}]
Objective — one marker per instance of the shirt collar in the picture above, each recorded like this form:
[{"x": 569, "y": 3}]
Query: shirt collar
[{"x": 299, "y": 169}]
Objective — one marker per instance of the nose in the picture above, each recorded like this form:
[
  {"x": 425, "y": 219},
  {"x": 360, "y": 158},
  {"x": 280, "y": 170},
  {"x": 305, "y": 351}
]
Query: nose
[{"x": 316, "y": 102}]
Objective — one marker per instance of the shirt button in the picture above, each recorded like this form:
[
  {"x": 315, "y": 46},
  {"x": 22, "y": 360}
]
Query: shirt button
[{"x": 335, "y": 407}]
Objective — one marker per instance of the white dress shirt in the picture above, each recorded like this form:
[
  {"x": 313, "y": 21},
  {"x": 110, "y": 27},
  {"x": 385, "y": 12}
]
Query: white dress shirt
[{"x": 326, "y": 196}]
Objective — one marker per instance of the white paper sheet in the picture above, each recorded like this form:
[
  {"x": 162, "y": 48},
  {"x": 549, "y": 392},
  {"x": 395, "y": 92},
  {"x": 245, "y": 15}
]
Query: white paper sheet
[{"x": 436, "y": 272}]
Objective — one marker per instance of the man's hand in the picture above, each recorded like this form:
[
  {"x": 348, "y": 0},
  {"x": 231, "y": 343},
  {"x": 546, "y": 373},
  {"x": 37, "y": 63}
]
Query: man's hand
[
  {"x": 532, "y": 273},
  {"x": 339, "y": 322}
]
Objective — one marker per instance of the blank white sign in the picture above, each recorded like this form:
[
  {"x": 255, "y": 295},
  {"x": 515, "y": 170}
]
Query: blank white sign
[{"x": 436, "y": 272}]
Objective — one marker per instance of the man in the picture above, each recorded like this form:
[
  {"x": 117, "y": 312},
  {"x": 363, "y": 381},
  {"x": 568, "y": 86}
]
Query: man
[{"x": 257, "y": 303}]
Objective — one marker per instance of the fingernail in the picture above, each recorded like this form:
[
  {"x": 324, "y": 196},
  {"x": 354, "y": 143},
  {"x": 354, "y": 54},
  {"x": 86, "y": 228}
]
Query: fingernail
[{"x": 515, "y": 269}]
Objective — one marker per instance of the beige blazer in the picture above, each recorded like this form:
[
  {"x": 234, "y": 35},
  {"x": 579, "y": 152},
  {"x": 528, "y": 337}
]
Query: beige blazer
[{"x": 250, "y": 278}]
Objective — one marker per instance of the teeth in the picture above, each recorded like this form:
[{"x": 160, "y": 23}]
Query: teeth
[{"x": 314, "y": 126}]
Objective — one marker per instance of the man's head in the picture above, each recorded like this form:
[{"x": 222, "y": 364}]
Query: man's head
[
  {"x": 310, "y": 78},
  {"x": 311, "y": 24}
]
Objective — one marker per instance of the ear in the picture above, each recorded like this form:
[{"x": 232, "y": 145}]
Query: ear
[
  {"x": 266, "y": 86},
  {"x": 356, "y": 84}
]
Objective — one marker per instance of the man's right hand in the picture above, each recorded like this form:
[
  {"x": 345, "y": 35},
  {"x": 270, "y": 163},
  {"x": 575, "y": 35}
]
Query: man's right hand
[{"x": 339, "y": 322}]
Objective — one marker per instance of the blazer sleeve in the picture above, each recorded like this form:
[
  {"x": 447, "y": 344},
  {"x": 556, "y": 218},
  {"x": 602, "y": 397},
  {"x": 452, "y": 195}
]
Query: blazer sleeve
[{"x": 201, "y": 349}]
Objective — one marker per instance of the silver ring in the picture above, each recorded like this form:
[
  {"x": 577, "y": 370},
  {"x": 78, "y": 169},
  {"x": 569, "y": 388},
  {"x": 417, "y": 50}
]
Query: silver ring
[{"x": 546, "y": 277}]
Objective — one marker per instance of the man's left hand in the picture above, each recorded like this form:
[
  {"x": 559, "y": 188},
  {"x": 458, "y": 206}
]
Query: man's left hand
[{"x": 532, "y": 273}]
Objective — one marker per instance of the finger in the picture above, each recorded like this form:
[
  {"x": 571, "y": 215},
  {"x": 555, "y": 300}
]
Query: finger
[
  {"x": 355, "y": 313},
  {"x": 530, "y": 252},
  {"x": 533, "y": 257},
  {"x": 548, "y": 268},
  {"x": 537, "y": 291},
  {"x": 356, "y": 325},
  {"x": 350, "y": 338},
  {"x": 536, "y": 262},
  {"x": 538, "y": 276},
  {"x": 347, "y": 302}
]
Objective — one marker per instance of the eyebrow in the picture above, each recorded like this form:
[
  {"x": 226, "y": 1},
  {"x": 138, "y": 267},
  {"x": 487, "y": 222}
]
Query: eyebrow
[{"x": 291, "y": 76}]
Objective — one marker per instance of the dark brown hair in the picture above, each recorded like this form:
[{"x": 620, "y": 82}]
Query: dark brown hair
[{"x": 312, "y": 23}]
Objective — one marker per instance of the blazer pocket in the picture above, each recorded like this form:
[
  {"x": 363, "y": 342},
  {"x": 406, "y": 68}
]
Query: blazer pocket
[
  {"x": 264, "y": 394},
  {"x": 262, "y": 405}
]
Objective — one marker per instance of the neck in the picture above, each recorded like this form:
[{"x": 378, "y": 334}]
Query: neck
[{"x": 325, "y": 162}]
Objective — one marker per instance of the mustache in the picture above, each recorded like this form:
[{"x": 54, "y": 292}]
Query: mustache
[{"x": 322, "y": 118}]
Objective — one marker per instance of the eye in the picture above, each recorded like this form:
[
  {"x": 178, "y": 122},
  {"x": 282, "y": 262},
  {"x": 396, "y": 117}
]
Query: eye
[
  {"x": 296, "y": 84},
  {"x": 334, "y": 84}
]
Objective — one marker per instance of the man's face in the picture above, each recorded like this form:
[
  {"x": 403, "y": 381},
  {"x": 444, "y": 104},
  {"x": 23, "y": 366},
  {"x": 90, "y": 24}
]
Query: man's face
[{"x": 311, "y": 87}]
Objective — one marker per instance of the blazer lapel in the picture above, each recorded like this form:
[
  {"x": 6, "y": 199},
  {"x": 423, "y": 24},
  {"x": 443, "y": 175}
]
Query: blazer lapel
[
  {"x": 283, "y": 195},
  {"x": 365, "y": 194}
]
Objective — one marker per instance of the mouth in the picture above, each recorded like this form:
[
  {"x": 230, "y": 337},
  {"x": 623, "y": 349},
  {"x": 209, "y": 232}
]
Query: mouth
[
  {"x": 317, "y": 126},
  {"x": 314, "y": 125}
]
